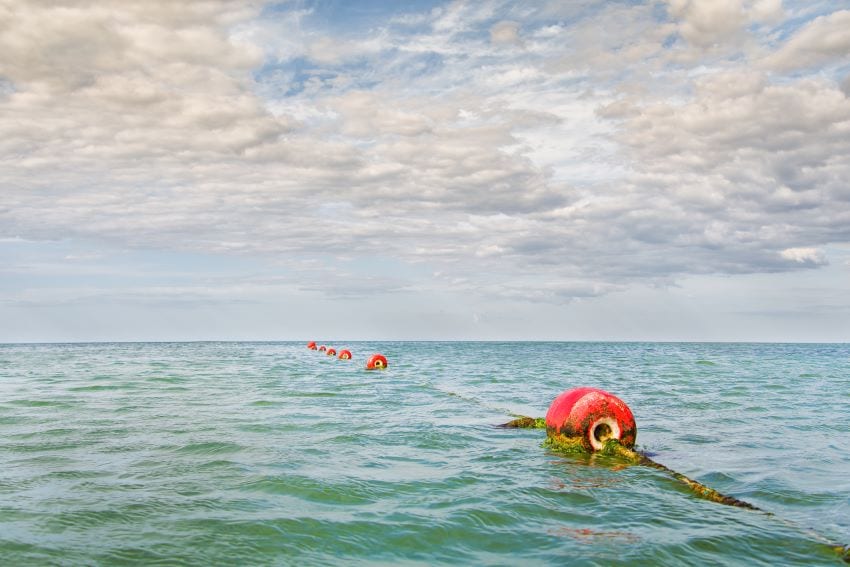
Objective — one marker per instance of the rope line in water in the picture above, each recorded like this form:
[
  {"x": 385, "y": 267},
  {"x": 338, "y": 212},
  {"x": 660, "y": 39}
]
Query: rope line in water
[
  {"x": 613, "y": 447},
  {"x": 476, "y": 401}
]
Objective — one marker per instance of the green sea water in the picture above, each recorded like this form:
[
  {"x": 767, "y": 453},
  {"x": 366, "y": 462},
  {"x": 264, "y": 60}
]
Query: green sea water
[{"x": 272, "y": 454}]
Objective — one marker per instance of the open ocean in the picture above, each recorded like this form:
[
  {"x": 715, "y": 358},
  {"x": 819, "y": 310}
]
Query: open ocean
[{"x": 271, "y": 454}]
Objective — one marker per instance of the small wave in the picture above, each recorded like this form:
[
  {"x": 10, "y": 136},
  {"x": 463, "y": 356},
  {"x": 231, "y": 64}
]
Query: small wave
[
  {"x": 45, "y": 461},
  {"x": 129, "y": 409},
  {"x": 59, "y": 431},
  {"x": 311, "y": 394},
  {"x": 267, "y": 428},
  {"x": 100, "y": 388},
  {"x": 78, "y": 519},
  {"x": 210, "y": 448},
  {"x": 695, "y": 439},
  {"x": 166, "y": 379},
  {"x": 343, "y": 494},
  {"x": 42, "y": 447},
  {"x": 75, "y": 475},
  {"x": 145, "y": 556},
  {"x": 218, "y": 464},
  {"x": 40, "y": 403}
]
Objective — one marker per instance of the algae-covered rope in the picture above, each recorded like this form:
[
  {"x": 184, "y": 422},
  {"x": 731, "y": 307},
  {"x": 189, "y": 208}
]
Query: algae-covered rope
[
  {"x": 613, "y": 448},
  {"x": 524, "y": 422}
]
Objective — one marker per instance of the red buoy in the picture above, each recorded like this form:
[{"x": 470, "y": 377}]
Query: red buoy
[
  {"x": 376, "y": 362},
  {"x": 323, "y": 348},
  {"x": 594, "y": 416},
  {"x": 331, "y": 352},
  {"x": 345, "y": 355},
  {"x": 311, "y": 345}
]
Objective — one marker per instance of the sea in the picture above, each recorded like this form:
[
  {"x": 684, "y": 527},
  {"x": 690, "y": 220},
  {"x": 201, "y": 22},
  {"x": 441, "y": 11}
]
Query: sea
[{"x": 268, "y": 453}]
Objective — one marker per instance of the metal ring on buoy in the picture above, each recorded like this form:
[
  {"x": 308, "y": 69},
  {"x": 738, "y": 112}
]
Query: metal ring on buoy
[
  {"x": 376, "y": 362},
  {"x": 323, "y": 348},
  {"x": 345, "y": 355},
  {"x": 331, "y": 352},
  {"x": 311, "y": 345},
  {"x": 592, "y": 416}
]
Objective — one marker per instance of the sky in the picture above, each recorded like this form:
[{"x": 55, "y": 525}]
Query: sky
[{"x": 671, "y": 170}]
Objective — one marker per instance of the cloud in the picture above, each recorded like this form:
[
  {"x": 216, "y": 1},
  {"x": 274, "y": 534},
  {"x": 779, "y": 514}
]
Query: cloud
[
  {"x": 505, "y": 33},
  {"x": 67, "y": 45},
  {"x": 822, "y": 41},
  {"x": 706, "y": 23},
  {"x": 334, "y": 51},
  {"x": 810, "y": 256},
  {"x": 574, "y": 167},
  {"x": 744, "y": 164}
]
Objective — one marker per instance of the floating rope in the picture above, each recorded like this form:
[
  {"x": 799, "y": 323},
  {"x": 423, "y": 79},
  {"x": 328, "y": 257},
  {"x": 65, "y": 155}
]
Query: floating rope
[{"x": 613, "y": 447}]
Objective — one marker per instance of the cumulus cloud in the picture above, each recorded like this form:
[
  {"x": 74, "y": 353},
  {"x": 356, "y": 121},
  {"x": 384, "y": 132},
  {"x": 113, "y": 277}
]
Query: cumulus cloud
[
  {"x": 706, "y": 23},
  {"x": 811, "y": 256},
  {"x": 67, "y": 44},
  {"x": 822, "y": 41}
]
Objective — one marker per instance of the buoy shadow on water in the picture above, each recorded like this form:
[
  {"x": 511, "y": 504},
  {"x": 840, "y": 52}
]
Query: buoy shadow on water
[{"x": 595, "y": 537}]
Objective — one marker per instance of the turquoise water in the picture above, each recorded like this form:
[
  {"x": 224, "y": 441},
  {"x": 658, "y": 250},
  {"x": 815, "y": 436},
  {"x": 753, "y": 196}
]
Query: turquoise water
[{"x": 269, "y": 453}]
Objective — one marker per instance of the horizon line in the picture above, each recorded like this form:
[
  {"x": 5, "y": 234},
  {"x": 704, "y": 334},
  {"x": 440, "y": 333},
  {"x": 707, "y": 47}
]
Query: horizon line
[{"x": 278, "y": 341}]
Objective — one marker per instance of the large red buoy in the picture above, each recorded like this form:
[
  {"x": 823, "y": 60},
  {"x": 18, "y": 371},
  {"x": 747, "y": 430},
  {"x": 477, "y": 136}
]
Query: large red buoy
[
  {"x": 345, "y": 355},
  {"x": 311, "y": 345},
  {"x": 323, "y": 348},
  {"x": 592, "y": 415},
  {"x": 376, "y": 362},
  {"x": 331, "y": 352}
]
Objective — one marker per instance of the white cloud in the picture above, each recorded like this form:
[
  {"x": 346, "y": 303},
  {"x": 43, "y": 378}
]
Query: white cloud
[
  {"x": 811, "y": 256},
  {"x": 505, "y": 33},
  {"x": 707, "y": 23},
  {"x": 824, "y": 40},
  {"x": 767, "y": 11}
]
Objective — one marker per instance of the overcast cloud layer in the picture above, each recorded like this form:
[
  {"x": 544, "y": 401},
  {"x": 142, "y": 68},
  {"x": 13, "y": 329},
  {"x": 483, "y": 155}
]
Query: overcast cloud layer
[{"x": 515, "y": 154}]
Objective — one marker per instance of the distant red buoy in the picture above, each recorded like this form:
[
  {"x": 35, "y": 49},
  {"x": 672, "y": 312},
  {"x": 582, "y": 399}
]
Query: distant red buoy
[
  {"x": 331, "y": 352},
  {"x": 376, "y": 362},
  {"x": 311, "y": 345},
  {"x": 323, "y": 348},
  {"x": 345, "y": 355},
  {"x": 594, "y": 416}
]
